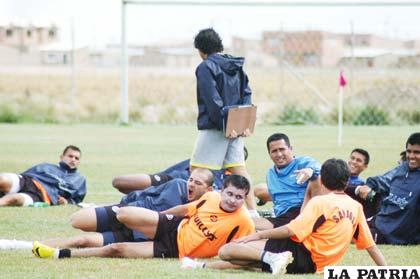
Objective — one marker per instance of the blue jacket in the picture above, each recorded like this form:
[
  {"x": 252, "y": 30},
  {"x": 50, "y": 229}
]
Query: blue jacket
[
  {"x": 221, "y": 82},
  {"x": 59, "y": 180},
  {"x": 159, "y": 198},
  {"x": 282, "y": 186},
  {"x": 398, "y": 219},
  {"x": 370, "y": 206},
  {"x": 182, "y": 170}
]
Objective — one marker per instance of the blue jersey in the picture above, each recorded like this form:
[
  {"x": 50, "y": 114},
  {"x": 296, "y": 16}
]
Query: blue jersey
[
  {"x": 355, "y": 180},
  {"x": 282, "y": 185}
]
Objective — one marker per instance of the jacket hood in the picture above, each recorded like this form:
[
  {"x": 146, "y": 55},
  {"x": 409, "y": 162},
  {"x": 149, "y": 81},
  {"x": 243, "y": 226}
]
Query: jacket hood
[{"x": 229, "y": 64}]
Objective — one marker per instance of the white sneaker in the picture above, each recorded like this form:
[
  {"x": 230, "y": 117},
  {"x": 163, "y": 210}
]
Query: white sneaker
[
  {"x": 188, "y": 263},
  {"x": 280, "y": 261},
  {"x": 13, "y": 244}
]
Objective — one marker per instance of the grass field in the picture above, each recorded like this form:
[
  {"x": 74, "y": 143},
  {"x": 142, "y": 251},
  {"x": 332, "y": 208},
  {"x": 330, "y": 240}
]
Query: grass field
[{"x": 111, "y": 150}]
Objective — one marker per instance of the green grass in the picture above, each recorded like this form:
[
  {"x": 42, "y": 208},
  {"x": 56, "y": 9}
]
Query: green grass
[{"x": 112, "y": 150}]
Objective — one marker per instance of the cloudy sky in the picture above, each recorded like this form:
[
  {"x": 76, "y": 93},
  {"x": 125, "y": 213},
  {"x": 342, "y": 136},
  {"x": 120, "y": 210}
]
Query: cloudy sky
[{"x": 97, "y": 22}]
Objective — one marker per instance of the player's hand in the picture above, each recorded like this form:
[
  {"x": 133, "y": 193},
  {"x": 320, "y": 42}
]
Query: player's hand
[
  {"x": 62, "y": 201},
  {"x": 364, "y": 191},
  {"x": 246, "y": 133},
  {"x": 248, "y": 238},
  {"x": 233, "y": 134},
  {"x": 303, "y": 175}
]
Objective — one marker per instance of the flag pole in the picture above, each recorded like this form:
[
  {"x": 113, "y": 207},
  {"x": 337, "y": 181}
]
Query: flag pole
[{"x": 342, "y": 83}]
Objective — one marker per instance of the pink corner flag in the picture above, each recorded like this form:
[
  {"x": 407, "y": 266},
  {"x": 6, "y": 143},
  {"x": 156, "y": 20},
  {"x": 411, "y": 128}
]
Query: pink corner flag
[{"x": 343, "y": 81}]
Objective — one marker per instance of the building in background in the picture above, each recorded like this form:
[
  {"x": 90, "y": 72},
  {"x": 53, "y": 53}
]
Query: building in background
[{"x": 25, "y": 37}]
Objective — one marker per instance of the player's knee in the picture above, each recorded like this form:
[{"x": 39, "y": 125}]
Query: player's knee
[
  {"x": 123, "y": 214},
  {"x": 116, "y": 250},
  {"x": 258, "y": 190},
  {"x": 82, "y": 242},
  {"x": 76, "y": 221},
  {"x": 116, "y": 182},
  {"x": 4, "y": 183},
  {"x": 225, "y": 253}
]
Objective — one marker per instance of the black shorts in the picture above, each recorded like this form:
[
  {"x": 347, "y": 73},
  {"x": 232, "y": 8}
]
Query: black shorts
[
  {"x": 302, "y": 262},
  {"x": 112, "y": 230},
  {"x": 285, "y": 218},
  {"x": 378, "y": 237},
  {"x": 159, "y": 178},
  {"x": 28, "y": 187},
  {"x": 165, "y": 243}
]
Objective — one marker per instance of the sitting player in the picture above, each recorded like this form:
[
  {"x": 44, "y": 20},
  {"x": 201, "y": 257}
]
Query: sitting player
[{"x": 318, "y": 237}]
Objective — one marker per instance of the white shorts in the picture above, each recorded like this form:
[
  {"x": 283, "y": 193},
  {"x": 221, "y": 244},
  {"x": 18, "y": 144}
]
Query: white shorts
[
  {"x": 214, "y": 151},
  {"x": 15, "y": 178}
]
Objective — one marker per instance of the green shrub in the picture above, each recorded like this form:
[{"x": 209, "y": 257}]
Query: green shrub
[
  {"x": 371, "y": 115},
  {"x": 7, "y": 115},
  {"x": 412, "y": 117},
  {"x": 293, "y": 115}
]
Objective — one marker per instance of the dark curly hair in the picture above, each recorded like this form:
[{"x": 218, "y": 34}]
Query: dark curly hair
[{"x": 208, "y": 41}]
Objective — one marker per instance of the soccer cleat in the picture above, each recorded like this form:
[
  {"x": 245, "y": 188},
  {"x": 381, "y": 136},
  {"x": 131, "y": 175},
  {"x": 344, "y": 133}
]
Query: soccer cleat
[
  {"x": 280, "y": 262},
  {"x": 43, "y": 251},
  {"x": 188, "y": 263},
  {"x": 260, "y": 202}
]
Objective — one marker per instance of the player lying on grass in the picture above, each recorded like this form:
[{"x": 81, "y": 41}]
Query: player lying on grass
[
  {"x": 53, "y": 184},
  {"x": 132, "y": 182},
  {"x": 318, "y": 237},
  {"x": 197, "y": 229},
  {"x": 106, "y": 228},
  {"x": 103, "y": 224}
]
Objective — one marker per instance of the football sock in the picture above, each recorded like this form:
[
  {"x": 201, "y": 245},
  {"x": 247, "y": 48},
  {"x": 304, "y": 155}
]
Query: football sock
[{"x": 64, "y": 253}]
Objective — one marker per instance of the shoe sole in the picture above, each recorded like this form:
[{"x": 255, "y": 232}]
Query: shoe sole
[{"x": 283, "y": 270}]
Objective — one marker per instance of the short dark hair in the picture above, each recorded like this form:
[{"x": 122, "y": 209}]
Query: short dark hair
[
  {"x": 209, "y": 175},
  {"x": 72, "y": 147},
  {"x": 413, "y": 139},
  {"x": 403, "y": 155},
  {"x": 335, "y": 174},
  {"x": 208, "y": 41},
  {"x": 364, "y": 153},
  {"x": 237, "y": 181},
  {"x": 276, "y": 137}
]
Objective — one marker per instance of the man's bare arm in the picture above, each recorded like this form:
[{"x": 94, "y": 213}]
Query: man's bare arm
[{"x": 376, "y": 255}]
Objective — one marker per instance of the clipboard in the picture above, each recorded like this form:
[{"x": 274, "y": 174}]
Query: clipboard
[{"x": 240, "y": 118}]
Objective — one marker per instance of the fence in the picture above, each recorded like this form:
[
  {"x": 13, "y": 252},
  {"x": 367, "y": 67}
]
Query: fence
[{"x": 293, "y": 65}]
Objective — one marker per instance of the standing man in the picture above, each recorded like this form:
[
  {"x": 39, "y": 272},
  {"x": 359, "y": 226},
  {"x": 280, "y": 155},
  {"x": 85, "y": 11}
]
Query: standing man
[
  {"x": 53, "y": 184},
  {"x": 292, "y": 181},
  {"x": 221, "y": 82}
]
